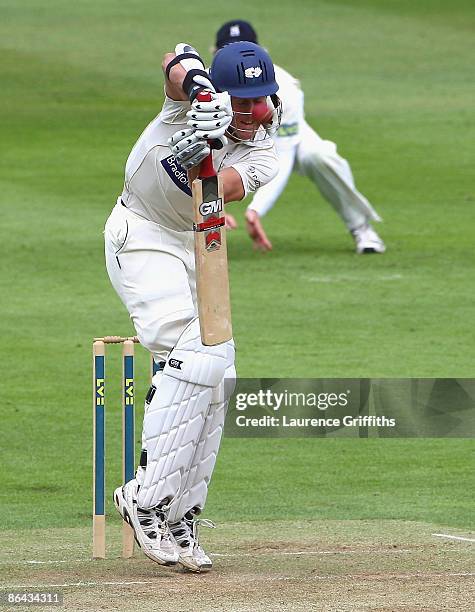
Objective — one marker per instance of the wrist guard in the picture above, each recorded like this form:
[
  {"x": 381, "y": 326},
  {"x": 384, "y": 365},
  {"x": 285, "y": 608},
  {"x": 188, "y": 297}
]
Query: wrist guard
[{"x": 196, "y": 79}]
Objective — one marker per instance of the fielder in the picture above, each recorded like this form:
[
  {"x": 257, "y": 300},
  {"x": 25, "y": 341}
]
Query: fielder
[
  {"x": 150, "y": 262},
  {"x": 300, "y": 148}
]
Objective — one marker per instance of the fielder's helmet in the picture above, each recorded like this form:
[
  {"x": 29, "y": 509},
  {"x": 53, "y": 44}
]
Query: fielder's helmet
[
  {"x": 244, "y": 70},
  {"x": 234, "y": 31}
]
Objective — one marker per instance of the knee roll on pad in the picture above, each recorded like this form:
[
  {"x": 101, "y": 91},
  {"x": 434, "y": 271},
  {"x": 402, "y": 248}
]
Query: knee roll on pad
[{"x": 191, "y": 361}]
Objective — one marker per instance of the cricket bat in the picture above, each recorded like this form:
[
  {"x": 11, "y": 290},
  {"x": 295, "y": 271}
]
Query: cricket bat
[{"x": 212, "y": 280}]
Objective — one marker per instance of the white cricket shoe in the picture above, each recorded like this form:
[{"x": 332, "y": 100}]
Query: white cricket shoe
[
  {"x": 150, "y": 527},
  {"x": 367, "y": 240},
  {"x": 185, "y": 532}
]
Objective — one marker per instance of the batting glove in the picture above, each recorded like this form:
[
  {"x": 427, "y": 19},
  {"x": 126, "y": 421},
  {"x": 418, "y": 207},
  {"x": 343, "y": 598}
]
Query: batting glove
[
  {"x": 211, "y": 119},
  {"x": 188, "y": 148}
]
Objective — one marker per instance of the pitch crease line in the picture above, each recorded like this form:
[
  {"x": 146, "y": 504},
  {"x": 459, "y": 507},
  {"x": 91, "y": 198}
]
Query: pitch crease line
[
  {"x": 270, "y": 553},
  {"x": 377, "y": 577},
  {"x": 314, "y": 552},
  {"x": 76, "y": 584},
  {"x": 34, "y": 562},
  {"x": 452, "y": 537}
]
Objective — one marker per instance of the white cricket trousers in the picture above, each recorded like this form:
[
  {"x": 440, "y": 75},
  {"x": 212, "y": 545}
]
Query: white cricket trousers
[{"x": 152, "y": 268}]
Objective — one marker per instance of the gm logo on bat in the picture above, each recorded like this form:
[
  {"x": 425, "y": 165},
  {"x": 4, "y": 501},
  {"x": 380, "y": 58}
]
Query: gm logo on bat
[{"x": 208, "y": 208}]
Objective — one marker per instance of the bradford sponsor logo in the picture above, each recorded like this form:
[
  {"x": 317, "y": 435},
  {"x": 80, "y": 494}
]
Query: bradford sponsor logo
[
  {"x": 208, "y": 208},
  {"x": 177, "y": 173},
  {"x": 175, "y": 363}
]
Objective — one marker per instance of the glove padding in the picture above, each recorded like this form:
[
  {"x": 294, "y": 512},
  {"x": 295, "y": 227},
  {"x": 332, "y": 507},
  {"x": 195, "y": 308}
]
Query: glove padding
[
  {"x": 210, "y": 120},
  {"x": 188, "y": 148}
]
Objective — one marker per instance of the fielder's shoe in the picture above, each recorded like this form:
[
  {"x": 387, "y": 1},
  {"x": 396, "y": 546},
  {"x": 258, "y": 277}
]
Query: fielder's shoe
[
  {"x": 150, "y": 527},
  {"x": 367, "y": 240},
  {"x": 185, "y": 532}
]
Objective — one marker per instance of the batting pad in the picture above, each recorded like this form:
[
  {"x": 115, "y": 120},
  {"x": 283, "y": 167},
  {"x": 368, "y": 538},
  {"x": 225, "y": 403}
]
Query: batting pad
[
  {"x": 177, "y": 413},
  {"x": 195, "y": 485}
]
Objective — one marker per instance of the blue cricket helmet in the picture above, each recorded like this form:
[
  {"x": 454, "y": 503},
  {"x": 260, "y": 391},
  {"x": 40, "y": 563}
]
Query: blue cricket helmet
[{"x": 244, "y": 70}]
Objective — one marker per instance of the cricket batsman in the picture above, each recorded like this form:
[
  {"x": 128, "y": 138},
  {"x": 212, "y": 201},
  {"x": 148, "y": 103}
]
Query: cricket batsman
[
  {"x": 300, "y": 148},
  {"x": 150, "y": 262}
]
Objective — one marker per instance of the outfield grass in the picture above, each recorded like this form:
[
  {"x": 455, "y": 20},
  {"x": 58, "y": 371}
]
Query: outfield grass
[{"x": 392, "y": 83}]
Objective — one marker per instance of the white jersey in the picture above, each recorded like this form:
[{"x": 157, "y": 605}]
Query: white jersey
[
  {"x": 156, "y": 186},
  {"x": 292, "y": 98}
]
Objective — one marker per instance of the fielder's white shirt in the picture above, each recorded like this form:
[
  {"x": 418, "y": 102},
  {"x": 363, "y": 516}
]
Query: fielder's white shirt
[
  {"x": 292, "y": 97},
  {"x": 156, "y": 186}
]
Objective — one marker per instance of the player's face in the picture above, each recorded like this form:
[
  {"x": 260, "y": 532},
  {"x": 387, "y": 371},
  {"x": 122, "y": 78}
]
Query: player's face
[{"x": 244, "y": 125}]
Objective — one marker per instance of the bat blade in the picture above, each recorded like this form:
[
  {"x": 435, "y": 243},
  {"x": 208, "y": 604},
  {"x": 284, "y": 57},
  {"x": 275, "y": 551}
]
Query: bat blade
[{"x": 212, "y": 279}]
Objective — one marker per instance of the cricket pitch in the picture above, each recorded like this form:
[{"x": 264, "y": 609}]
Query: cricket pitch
[{"x": 295, "y": 565}]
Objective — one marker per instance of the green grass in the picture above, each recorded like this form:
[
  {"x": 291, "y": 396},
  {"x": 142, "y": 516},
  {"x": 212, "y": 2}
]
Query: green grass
[{"x": 392, "y": 84}]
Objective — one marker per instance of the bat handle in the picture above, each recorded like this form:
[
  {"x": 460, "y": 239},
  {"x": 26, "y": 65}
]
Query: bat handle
[{"x": 206, "y": 167}]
